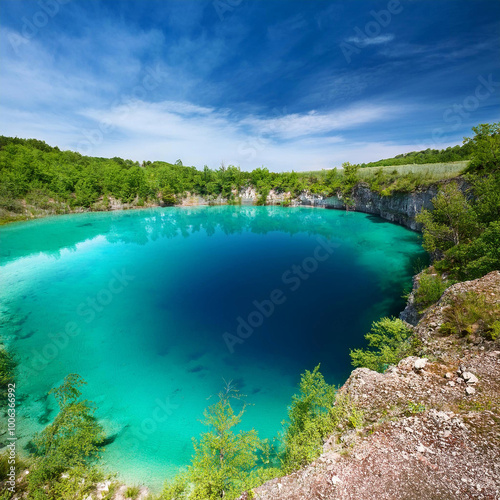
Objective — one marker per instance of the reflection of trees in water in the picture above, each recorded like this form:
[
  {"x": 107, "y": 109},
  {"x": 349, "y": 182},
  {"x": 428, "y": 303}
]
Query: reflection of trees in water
[
  {"x": 50, "y": 236},
  {"x": 233, "y": 220}
]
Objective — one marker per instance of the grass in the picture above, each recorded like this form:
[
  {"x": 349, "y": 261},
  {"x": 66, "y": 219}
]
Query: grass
[
  {"x": 435, "y": 171},
  {"x": 415, "y": 174}
]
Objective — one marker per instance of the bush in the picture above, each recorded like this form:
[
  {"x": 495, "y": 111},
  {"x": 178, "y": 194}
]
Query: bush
[
  {"x": 470, "y": 313},
  {"x": 451, "y": 222},
  {"x": 132, "y": 492},
  {"x": 389, "y": 340},
  {"x": 308, "y": 421},
  {"x": 485, "y": 147},
  {"x": 7, "y": 366},
  {"x": 475, "y": 259},
  {"x": 429, "y": 291},
  {"x": 69, "y": 445},
  {"x": 315, "y": 413}
]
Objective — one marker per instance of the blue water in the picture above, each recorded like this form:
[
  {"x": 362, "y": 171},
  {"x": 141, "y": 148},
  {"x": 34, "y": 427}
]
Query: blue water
[{"x": 145, "y": 306}]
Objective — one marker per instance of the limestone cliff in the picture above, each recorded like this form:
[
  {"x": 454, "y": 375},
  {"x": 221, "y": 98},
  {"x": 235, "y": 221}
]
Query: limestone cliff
[{"x": 399, "y": 207}]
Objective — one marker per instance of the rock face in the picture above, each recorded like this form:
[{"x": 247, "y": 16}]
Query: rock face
[
  {"x": 400, "y": 208},
  {"x": 410, "y": 313},
  {"x": 431, "y": 428}
]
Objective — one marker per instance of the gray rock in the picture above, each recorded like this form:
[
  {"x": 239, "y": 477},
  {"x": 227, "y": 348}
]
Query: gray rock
[
  {"x": 470, "y": 378},
  {"x": 470, "y": 390},
  {"x": 420, "y": 363}
]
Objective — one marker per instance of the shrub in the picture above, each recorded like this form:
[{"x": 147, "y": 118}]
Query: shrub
[
  {"x": 451, "y": 222},
  {"x": 132, "y": 492},
  {"x": 7, "y": 366},
  {"x": 470, "y": 313},
  {"x": 413, "y": 408},
  {"x": 389, "y": 340},
  {"x": 475, "y": 259},
  {"x": 429, "y": 291},
  {"x": 308, "y": 421},
  {"x": 315, "y": 413},
  {"x": 223, "y": 461},
  {"x": 485, "y": 147},
  {"x": 68, "y": 445}
]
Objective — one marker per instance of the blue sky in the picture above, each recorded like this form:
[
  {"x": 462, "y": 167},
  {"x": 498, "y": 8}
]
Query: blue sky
[{"x": 288, "y": 84}]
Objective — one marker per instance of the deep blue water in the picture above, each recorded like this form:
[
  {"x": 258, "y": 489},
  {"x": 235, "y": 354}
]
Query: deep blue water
[{"x": 145, "y": 305}]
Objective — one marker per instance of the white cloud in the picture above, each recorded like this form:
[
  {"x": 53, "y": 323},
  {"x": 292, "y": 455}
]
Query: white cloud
[
  {"x": 374, "y": 40},
  {"x": 47, "y": 94}
]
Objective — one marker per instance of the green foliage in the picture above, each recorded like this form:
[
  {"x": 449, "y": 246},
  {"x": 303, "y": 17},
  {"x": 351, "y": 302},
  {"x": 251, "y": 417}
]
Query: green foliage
[
  {"x": 451, "y": 222},
  {"x": 308, "y": 420},
  {"x": 7, "y": 366},
  {"x": 177, "y": 489},
  {"x": 389, "y": 340},
  {"x": 485, "y": 147},
  {"x": 450, "y": 154},
  {"x": 69, "y": 445},
  {"x": 429, "y": 291},
  {"x": 471, "y": 313},
  {"x": 349, "y": 182},
  {"x": 78, "y": 483},
  {"x": 464, "y": 232},
  {"x": 223, "y": 460},
  {"x": 413, "y": 408},
  {"x": 168, "y": 199},
  {"x": 476, "y": 258},
  {"x": 55, "y": 181},
  {"x": 132, "y": 492}
]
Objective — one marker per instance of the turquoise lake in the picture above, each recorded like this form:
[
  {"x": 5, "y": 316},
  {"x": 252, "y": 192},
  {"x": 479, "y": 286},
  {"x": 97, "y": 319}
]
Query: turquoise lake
[{"x": 148, "y": 307}]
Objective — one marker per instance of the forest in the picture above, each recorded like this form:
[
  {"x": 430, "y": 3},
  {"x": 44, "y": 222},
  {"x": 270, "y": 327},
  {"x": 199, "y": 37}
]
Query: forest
[{"x": 37, "y": 179}]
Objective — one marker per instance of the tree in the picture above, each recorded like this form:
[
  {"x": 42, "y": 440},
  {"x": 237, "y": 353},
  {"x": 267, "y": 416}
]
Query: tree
[
  {"x": 69, "y": 444},
  {"x": 348, "y": 182},
  {"x": 451, "y": 222},
  {"x": 223, "y": 460},
  {"x": 485, "y": 147},
  {"x": 308, "y": 420},
  {"x": 389, "y": 341},
  {"x": 475, "y": 259}
]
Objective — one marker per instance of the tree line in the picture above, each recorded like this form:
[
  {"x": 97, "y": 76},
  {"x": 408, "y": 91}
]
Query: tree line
[{"x": 38, "y": 177}]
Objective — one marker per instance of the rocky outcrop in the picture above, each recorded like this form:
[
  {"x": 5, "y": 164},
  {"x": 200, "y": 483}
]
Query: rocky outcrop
[
  {"x": 431, "y": 425},
  {"x": 410, "y": 313},
  {"x": 400, "y": 208}
]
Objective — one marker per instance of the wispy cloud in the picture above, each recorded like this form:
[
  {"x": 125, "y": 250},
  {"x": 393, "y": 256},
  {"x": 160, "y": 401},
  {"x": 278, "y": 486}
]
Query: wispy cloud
[
  {"x": 269, "y": 86},
  {"x": 367, "y": 41}
]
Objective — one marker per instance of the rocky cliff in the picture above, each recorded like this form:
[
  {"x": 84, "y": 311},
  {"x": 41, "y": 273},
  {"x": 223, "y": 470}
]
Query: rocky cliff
[
  {"x": 400, "y": 208},
  {"x": 431, "y": 425}
]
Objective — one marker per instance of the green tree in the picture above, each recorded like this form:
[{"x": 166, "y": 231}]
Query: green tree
[
  {"x": 223, "y": 460},
  {"x": 485, "y": 146},
  {"x": 475, "y": 259},
  {"x": 348, "y": 183},
  {"x": 452, "y": 221},
  {"x": 309, "y": 420},
  {"x": 389, "y": 341},
  {"x": 69, "y": 444}
]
